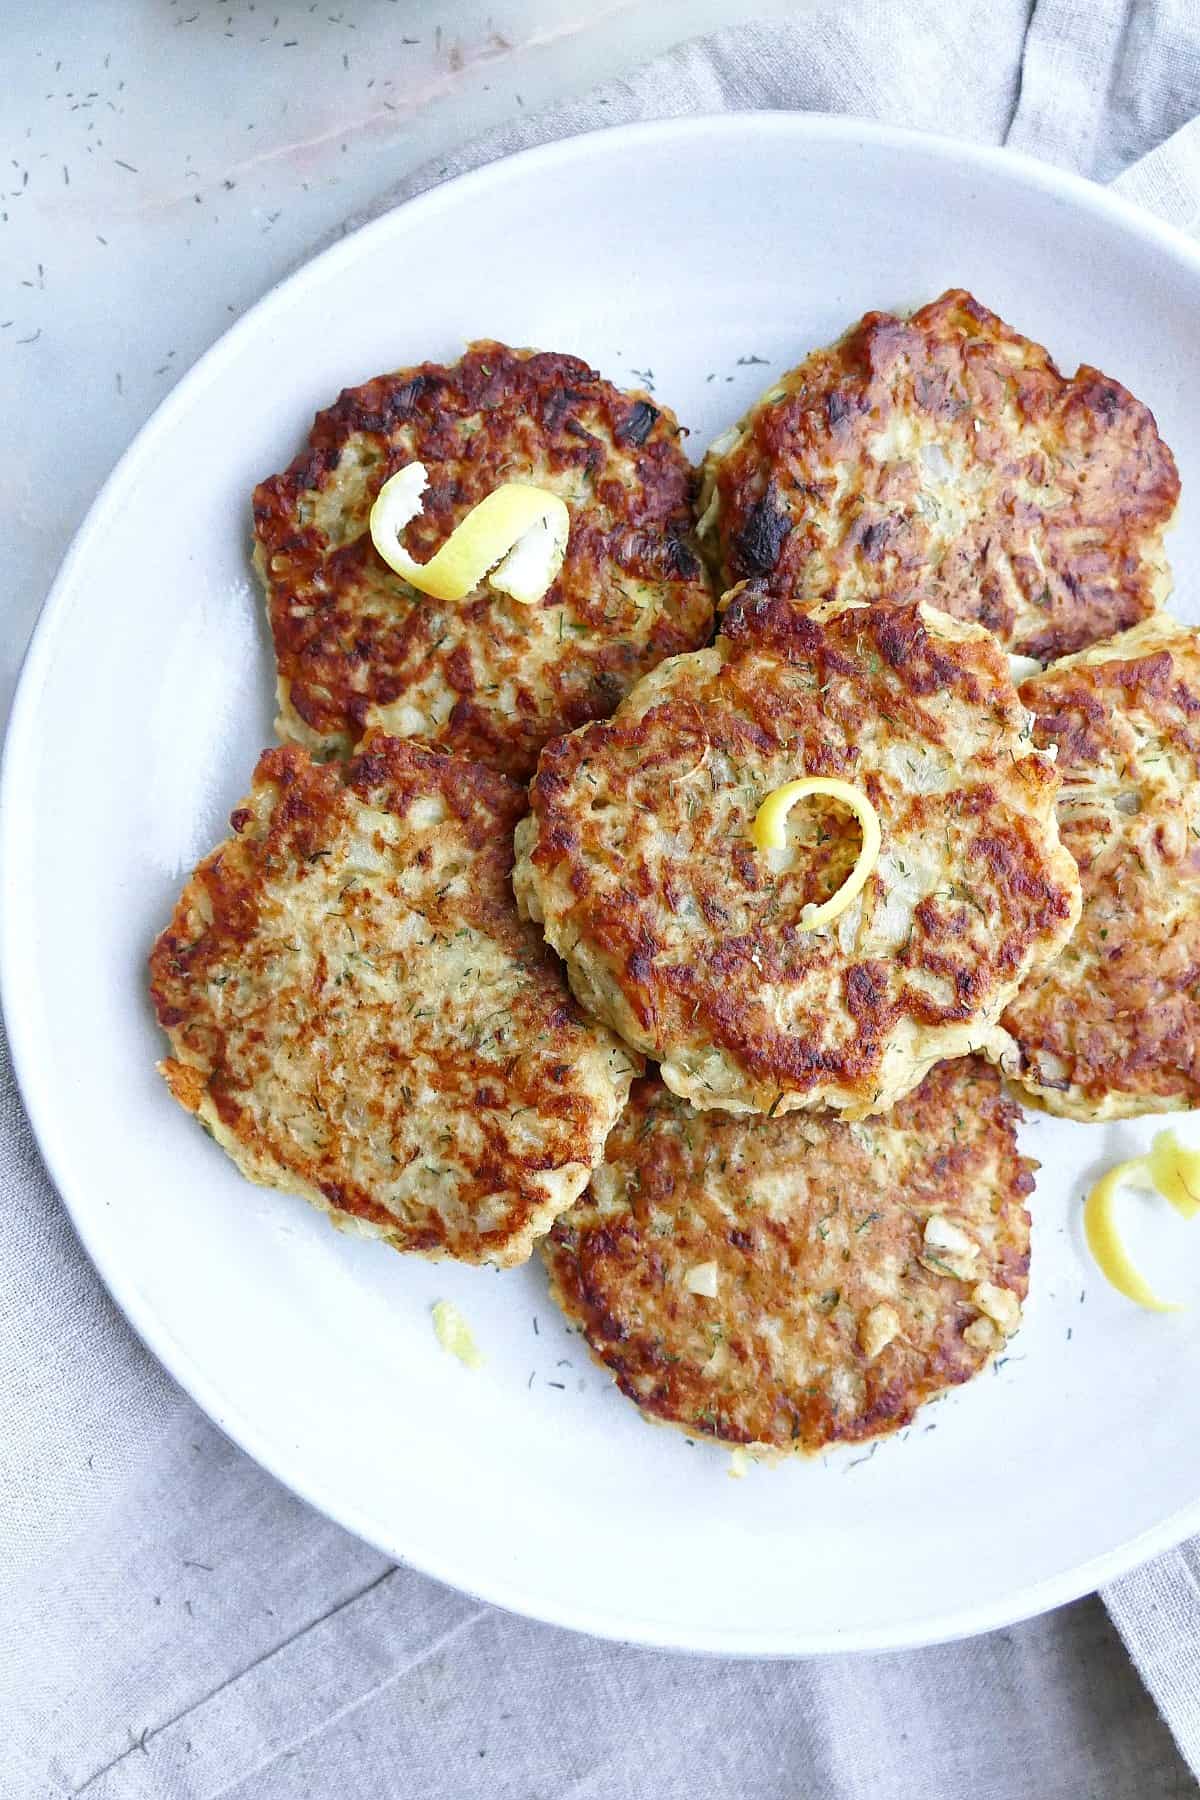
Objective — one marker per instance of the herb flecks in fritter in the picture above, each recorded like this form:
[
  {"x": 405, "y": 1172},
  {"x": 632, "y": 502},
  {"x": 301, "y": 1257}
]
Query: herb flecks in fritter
[
  {"x": 695, "y": 945},
  {"x": 489, "y": 677},
  {"x": 357, "y": 1014},
  {"x": 800, "y": 1282},
  {"x": 1112, "y": 1028},
  {"x": 944, "y": 456}
]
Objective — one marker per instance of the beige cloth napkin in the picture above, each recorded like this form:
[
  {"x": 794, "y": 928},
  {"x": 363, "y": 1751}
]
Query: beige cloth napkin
[{"x": 174, "y": 1624}]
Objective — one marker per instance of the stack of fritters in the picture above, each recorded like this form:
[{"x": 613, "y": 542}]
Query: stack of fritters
[{"x": 812, "y": 1218}]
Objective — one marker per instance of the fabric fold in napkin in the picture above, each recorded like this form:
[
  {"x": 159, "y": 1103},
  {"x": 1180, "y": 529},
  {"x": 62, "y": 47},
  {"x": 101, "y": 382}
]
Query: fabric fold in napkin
[{"x": 175, "y": 1623}]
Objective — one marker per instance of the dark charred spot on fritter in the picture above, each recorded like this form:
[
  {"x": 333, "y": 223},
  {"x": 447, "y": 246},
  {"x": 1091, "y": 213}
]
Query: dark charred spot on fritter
[
  {"x": 638, "y": 423},
  {"x": 758, "y": 542}
]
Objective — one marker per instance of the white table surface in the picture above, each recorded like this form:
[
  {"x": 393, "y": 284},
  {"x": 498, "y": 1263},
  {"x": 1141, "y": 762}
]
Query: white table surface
[{"x": 164, "y": 163}]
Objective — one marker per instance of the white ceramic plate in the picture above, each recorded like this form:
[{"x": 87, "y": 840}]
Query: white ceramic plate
[{"x": 683, "y": 249}]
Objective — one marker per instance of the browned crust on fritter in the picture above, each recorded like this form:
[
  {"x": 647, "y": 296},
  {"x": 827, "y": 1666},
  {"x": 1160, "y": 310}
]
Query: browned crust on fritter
[
  {"x": 812, "y": 1224},
  {"x": 1113, "y": 1027},
  {"x": 1049, "y": 528},
  {"x": 492, "y": 678},
  {"x": 299, "y": 983},
  {"x": 679, "y": 932}
]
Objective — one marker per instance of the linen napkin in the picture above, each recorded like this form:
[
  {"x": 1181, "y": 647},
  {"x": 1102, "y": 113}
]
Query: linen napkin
[{"x": 174, "y": 1623}]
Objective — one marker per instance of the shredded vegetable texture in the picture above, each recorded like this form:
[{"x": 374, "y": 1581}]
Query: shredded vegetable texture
[
  {"x": 1169, "y": 1169},
  {"x": 516, "y": 536},
  {"x": 454, "y": 1335},
  {"x": 769, "y": 832}
]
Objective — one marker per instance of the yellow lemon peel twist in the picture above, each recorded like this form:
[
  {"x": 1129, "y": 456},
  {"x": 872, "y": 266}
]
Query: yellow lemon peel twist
[
  {"x": 516, "y": 537},
  {"x": 769, "y": 832},
  {"x": 1169, "y": 1169}
]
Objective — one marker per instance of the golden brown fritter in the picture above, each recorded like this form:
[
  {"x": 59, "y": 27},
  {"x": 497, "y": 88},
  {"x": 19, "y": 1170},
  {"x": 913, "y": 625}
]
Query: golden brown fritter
[
  {"x": 945, "y": 456},
  {"x": 357, "y": 1014},
  {"x": 688, "y": 940},
  {"x": 800, "y": 1282},
  {"x": 485, "y": 677},
  {"x": 1113, "y": 1027}
]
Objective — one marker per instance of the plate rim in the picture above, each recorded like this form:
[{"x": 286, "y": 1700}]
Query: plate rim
[{"x": 790, "y": 127}]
